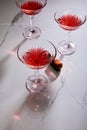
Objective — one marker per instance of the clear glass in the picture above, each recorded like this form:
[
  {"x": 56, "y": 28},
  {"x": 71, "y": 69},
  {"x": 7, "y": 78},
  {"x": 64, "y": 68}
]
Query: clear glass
[
  {"x": 68, "y": 20},
  {"x": 36, "y": 54},
  {"x": 31, "y": 8}
]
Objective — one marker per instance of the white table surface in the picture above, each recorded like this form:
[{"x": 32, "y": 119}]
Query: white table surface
[{"x": 69, "y": 109}]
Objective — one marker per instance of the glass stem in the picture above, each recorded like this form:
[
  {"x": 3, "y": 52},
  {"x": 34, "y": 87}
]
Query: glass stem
[
  {"x": 36, "y": 72},
  {"x": 69, "y": 36},
  {"x": 31, "y": 23},
  {"x": 69, "y": 43}
]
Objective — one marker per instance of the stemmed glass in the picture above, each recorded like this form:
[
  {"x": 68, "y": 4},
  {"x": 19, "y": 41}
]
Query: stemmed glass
[
  {"x": 68, "y": 20},
  {"x": 31, "y": 8},
  {"x": 36, "y": 54}
]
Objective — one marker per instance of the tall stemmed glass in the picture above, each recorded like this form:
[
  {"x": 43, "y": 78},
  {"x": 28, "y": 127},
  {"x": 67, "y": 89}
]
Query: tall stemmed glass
[
  {"x": 36, "y": 54},
  {"x": 31, "y": 8},
  {"x": 68, "y": 20}
]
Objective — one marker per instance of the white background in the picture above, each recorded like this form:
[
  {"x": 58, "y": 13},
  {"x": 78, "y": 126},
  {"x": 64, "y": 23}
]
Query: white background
[{"x": 69, "y": 111}]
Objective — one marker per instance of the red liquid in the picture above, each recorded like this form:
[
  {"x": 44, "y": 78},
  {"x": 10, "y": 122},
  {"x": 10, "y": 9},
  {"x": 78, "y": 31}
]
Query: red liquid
[
  {"x": 31, "y": 7},
  {"x": 36, "y": 58},
  {"x": 69, "y": 22}
]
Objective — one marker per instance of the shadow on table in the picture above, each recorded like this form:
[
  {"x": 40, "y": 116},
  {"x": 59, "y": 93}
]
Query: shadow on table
[
  {"x": 3, "y": 61},
  {"x": 34, "y": 109}
]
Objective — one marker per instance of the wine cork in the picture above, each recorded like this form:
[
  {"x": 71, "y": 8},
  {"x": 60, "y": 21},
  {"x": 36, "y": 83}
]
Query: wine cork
[{"x": 54, "y": 69}]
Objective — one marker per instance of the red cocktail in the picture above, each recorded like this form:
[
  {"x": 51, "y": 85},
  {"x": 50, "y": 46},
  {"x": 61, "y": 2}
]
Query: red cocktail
[
  {"x": 68, "y": 20},
  {"x": 31, "y": 8},
  {"x": 36, "y": 54},
  {"x": 36, "y": 58}
]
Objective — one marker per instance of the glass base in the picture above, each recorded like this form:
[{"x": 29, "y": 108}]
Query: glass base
[
  {"x": 31, "y": 33},
  {"x": 66, "y": 47},
  {"x": 34, "y": 84}
]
